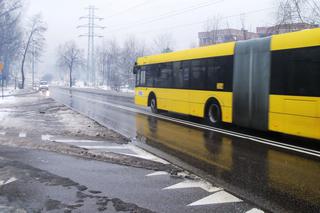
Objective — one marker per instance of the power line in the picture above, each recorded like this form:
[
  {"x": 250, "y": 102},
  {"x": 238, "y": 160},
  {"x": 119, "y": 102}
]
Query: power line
[
  {"x": 168, "y": 15},
  {"x": 130, "y": 8},
  {"x": 201, "y": 22},
  {"x": 91, "y": 26}
]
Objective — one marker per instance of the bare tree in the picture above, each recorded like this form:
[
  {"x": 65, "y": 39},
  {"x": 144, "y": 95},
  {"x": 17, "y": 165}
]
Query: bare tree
[
  {"x": 132, "y": 49},
  {"x": 116, "y": 61},
  {"x": 70, "y": 57},
  {"x": 211, "y": 27},
  {"x": 243, "y": 26},
  {"x": 102, "y": 59},
  {"x": 108, "y": 63},
  {"x": 10, "y": 38},
  {"x": 9, "y": 6},
  {"x": 163, "y": 43},
  {"x": 314, "y": 16},
  {"x": 34, "y": 41},
  {"x": 291, "y": 12}
]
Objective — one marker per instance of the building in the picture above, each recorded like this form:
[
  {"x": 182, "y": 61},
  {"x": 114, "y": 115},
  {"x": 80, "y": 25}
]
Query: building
[
  {"x": 224, "y": 35},
  {"x": 283, "y": 28}
]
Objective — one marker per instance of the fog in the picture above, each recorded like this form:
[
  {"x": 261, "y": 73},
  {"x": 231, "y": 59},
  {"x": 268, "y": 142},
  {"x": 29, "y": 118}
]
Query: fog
[{"x": 144, "y": 19}]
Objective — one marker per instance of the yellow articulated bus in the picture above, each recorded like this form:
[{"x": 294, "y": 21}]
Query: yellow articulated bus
[{"x": 266, "y": 84}]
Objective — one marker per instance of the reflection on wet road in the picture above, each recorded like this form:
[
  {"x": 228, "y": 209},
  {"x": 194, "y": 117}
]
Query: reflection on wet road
[{"x": 275, "y": 178}]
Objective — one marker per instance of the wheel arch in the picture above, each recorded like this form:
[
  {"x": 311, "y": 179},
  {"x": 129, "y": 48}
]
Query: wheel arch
[{"x": 211, "y": 100}]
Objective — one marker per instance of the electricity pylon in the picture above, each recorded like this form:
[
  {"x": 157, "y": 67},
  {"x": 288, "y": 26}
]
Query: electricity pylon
[{"x": 91, "y": 26}]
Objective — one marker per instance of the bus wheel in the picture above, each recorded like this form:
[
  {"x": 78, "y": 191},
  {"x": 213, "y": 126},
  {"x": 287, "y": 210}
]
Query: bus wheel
[
  {"x": 213, "y": 114},
  {"x": 153, "y": 105}
]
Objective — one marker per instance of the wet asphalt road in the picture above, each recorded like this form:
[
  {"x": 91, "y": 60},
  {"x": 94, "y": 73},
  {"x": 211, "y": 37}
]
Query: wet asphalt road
[
  {"x": 274, "y": 178},
  {"x": 88, "y": 176},
  {"x": 50, "y": 182}
]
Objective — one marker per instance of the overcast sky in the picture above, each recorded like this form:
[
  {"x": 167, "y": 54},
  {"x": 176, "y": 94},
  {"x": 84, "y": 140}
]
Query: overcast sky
[{"x": 144, "y": 19}]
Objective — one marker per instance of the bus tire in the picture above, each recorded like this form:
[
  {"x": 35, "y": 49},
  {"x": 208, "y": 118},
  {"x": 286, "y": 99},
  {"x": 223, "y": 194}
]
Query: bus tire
[
  {"x": 213, "y": 115},
  {"x": 153, "y": 104}
]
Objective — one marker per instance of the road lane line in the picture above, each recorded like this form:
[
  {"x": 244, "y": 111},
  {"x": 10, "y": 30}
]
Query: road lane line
[
  {"x": 22, "y": 135},
  {"x": 194, "y": 184},
  {"x": 95, "y": 147},
  {"x": 12, "y": 179},
  {"x": 144, "y": 154},
  {"x": 217, "y": 198},
  {"x": 3, "y": 133},
  {"x": 255, "y": 210},
  {"x": 116, "y": 147},
  {"x": 160, "y": 173},
  {"x": 77, "y": 141},
  {"x": 155, "y": 159},
  {"x": 227, "y": 132},
  {"x": 46, "y": 137},
  {"x": 139, "y": 153}
]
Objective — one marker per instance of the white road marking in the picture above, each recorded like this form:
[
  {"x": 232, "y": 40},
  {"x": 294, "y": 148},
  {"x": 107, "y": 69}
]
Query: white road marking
[
  {"x": 12, "y": 179},
  {"x": 46, "y": 137},
  {"x": 194, "y": 184},
  {"x": 75, "y": 141},
  {"x": 3, "y": 133},
  {"x": 110, "y": 147},
  {"x": 155, "y": 159},
  {"x": 22, "y": 135},
  {"x": 94, "y": 147},
  {"x": 254, "y": 210},
  {"x": 217, "y": 198},
  {"x": 144, "y": 154},
  {"x": 140, "y": 153},
  {"x": 227, "y": 132},
  {"x": 157, "y": 173}
]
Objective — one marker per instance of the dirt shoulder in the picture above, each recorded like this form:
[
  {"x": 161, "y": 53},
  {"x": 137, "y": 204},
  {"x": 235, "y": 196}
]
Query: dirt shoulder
[{"x": 26, "y": 121}]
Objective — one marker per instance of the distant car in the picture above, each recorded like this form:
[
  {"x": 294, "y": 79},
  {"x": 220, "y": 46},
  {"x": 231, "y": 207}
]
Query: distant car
[{"x": 43, "y": 85}]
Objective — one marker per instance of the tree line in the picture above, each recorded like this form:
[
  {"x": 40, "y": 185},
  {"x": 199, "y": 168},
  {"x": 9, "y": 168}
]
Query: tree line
[
  {"x": 19, "y": 43},
  {"x": 114, "y": 61}
]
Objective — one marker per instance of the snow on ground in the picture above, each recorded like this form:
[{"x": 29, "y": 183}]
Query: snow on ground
[
  {"x": 33, "y": 119},
  {"x": 126, "y": 90},
  {"x": 123, "y": 89},
  {"x": 6, "y": 100},
  {"x": 3, "y": 115},
  {"x": 77, "y": 124},
  {"x": 8, "y": 91},
  {"x": 26, "y": 112}
]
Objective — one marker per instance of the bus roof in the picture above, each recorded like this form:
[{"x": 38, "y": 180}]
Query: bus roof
[
  {"x": 223, "y": 49},
  {"x": 304, "y": 38}
]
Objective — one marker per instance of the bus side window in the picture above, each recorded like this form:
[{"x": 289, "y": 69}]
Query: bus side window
[
  {"x": 213, "y": 74},
  {"x": 164, "y": 79},
  {"x": 138, "y": 78},
  {"x": 149, "y": 76},
  {"x": 198, "y": 71},
  {"x": 296, "y": 72},
  {"x": 186, "y": 74},
  {"x": 219, "y": 73},
  {"x": 177, "y": 75},
  {"x": 143, "y": 76}
]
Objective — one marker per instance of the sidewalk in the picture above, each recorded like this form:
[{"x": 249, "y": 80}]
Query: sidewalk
[{"x": 10, "y": 91}]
